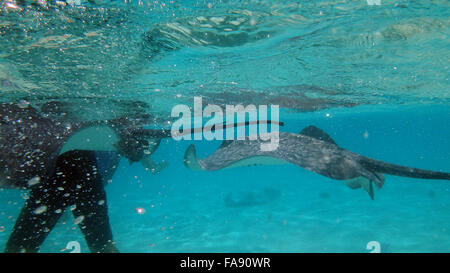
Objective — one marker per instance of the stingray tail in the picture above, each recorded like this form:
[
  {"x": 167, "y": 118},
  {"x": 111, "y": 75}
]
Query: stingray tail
[
  {"x": 392, "y": 169},
  {"x": 166, "y": 133}
]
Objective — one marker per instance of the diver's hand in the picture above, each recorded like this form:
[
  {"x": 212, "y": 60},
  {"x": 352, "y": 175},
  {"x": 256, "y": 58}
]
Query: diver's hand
[
  {"x": 150, "y": 165},
  {"x": 159, "y": 167}
]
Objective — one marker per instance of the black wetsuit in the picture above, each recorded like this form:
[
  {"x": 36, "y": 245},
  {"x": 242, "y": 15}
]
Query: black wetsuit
[{"x": 78, "y": 182}]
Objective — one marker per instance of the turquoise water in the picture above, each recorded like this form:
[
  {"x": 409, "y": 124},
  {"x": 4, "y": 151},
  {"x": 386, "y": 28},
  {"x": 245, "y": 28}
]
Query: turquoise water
[{"x": 375, "y": 77}]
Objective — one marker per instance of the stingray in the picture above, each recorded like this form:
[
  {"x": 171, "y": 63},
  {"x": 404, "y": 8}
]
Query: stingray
[{"x": 312, "y": 149}]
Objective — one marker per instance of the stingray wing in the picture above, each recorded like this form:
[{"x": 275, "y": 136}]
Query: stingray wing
[{"x": 223, "y": 159}]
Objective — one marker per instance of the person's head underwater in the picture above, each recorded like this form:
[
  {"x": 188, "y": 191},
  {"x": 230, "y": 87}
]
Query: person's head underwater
[{"x": 135, "y": 146}]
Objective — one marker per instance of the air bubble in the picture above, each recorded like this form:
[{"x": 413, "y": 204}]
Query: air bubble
[
  {"x": 140, "y": 210},
  {"x": 40, "y": 209},
  {"x": 78, "y": 220},
  {"x": 23, "y": 104},
  {"x": 33, "y": 181},
  {"x": 366, "y": 135}
]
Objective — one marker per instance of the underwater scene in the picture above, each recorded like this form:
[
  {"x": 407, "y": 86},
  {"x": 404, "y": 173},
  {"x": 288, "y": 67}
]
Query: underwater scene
[{"x": 224, "y": 126}]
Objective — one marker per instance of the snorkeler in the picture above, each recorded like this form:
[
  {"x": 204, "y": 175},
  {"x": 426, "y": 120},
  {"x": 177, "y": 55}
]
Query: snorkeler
[{"x": 49, "y": 157}]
